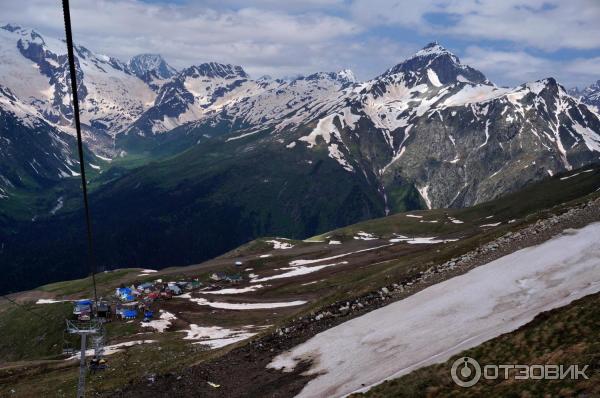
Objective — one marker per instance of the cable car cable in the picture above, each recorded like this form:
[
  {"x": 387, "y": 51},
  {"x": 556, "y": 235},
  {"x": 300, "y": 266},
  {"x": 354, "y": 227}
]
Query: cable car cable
[{"x": 71, "y": 56}]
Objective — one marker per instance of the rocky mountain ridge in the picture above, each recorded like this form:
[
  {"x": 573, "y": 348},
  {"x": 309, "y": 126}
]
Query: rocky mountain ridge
[{"x": 590, "y": 95}]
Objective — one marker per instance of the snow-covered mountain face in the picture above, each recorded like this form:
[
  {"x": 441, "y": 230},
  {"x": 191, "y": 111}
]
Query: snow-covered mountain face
[
  {"x": 429, "y": 123},
  {"x": 33, "y": 154},
  {"x": 283, "y": 104},
  {"x": 589, "y": 95},
  {"x": 152, "y": 69},
  {"x": 194, "y": 93},
  {"x": 216, "y": 94},
  {"x": 35, "y": 69},
  {"x": 435, "y": 65},
  {"x": 459, "y": 139},
  {"x": 467, "y": 143}
]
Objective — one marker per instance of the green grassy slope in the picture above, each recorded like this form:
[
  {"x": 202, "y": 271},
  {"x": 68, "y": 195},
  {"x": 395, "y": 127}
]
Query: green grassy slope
[
  {"x": 199, "y": 204},
  {"x": 31, "y": 332},
  {"x": 534, "y": 198},
  {"x": 369, "y": 273}
]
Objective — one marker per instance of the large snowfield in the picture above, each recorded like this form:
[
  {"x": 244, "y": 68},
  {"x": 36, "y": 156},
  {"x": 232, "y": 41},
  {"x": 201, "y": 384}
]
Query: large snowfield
[{"x": 445, "y": 319}]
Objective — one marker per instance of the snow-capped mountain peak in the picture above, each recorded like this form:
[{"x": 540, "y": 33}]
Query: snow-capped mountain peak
[
  {"x": 10, "y": 27},
  {"x": 346, "y": 75},
  {"x": 29, "y": 40},
  {"x": 216, "y": 70},
  {"x": 143, "y": 64},
  {"x": 435, "y": 65},
  {"x": 593, "y": 88},
  {"x": 36, "y": 70},
  {"x": 590, "y": 95},
  {"x": 27, "y": 35},
  {"x": 433, "y": 49},
  {"x": 430, "y": 106}
]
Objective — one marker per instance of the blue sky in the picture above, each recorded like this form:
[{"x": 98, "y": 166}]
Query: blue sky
[{"x": 511, "y": 41}]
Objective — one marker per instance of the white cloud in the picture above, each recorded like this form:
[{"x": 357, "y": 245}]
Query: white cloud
[
  {"x": 516, "y": 67},
  {"x": 407, "y": 13},
  {"x": 546, "y": 24},
  {"x": 289, "y": 5},
  {"x": 289, "y": 37},
  {"x": 584, "y": 66}
]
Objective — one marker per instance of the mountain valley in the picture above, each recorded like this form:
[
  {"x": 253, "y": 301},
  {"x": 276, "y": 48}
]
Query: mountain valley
[{"x": 206, "y": 158}]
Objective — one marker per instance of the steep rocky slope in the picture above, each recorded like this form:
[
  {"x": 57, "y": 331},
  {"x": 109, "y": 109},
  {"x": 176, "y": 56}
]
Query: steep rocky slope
[
  {"x": 35, "y": 69},
  {"x": 430, "y": 122},
  {"x": 37, "y": 160}
]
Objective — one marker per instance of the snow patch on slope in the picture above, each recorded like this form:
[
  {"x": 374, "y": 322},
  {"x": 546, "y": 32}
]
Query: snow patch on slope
[
  {"x": 246, "y": 306},
  {"x": 591, "y": 139},
  {"x": 216, "y": 336},
  {"x": 486, "y": 302},
  {"x": 297, "y": 271},
  {"x": 327, "y": 130},
  {"x": 161, "y": 324},
  {"x": 433, "y": 78},
  {"x": 423, "y": 191}
]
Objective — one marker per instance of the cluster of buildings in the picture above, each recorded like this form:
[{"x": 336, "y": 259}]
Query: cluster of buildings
[
  {"x": 83, "y": 310},
  {"x": 135, "y": 300}
]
